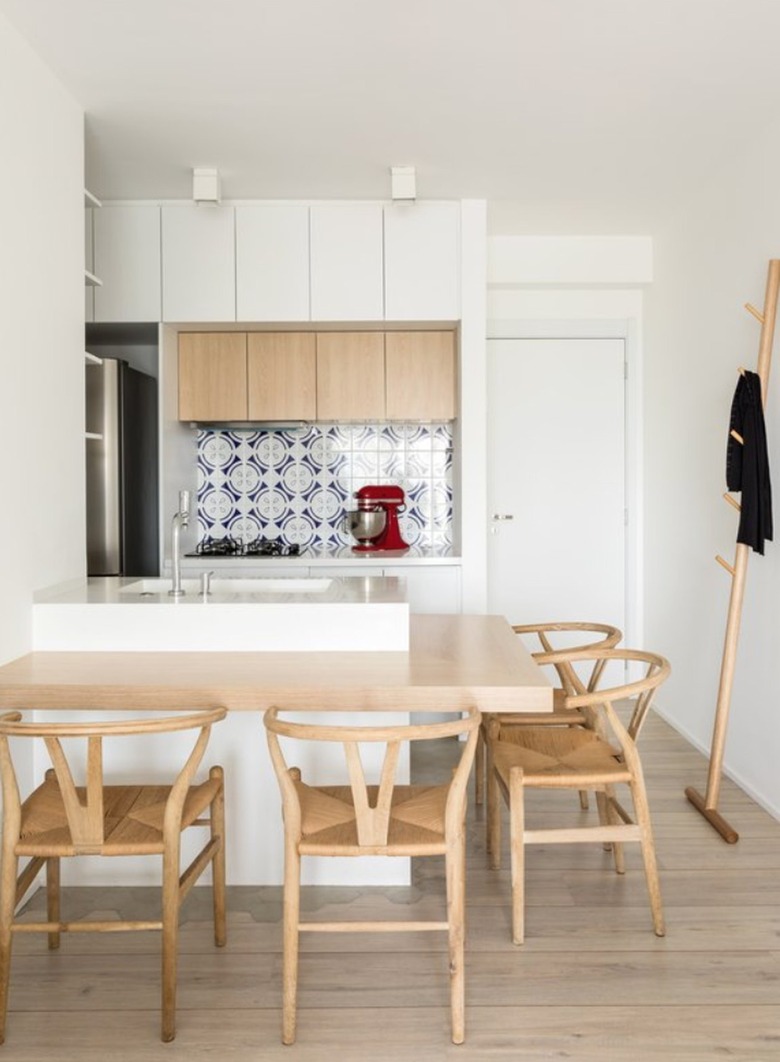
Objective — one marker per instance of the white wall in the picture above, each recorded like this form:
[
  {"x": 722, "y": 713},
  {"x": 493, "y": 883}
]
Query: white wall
[
  {"x": 708, "y": 263},
  {"x": 42, "y": 350}
]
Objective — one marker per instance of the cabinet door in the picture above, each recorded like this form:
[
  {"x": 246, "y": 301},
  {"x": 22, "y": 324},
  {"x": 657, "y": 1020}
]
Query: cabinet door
[
  {"x": 282, "y": 375},
  {"x": 346, "y": 262},
  {"x": 212, "y": 376},
  {"x": 430, "y": 589},
  {"x": 272, "y": 262},
  {"x": 350, "y": 375},
  {"x": 127, "y": 260},
  {"x": 420, "y": 369},
  {"x": 422, "y": 261},
  {"x": 198, "y": 263}
]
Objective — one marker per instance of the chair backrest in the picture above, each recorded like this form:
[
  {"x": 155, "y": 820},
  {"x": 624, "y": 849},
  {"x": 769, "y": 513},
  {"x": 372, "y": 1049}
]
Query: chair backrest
[
  {"x": 84, "y": 804},
  {"x": 599, "y": 704},
  {"x": 372, "y": 820},
  {"x": 571, "y": 637}
]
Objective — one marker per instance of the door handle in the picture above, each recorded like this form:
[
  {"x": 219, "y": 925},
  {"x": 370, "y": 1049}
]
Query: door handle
[{"x": 503, "y": 516}]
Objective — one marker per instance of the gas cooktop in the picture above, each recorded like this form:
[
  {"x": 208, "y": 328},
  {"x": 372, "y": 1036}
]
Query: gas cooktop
[{"x": 231, "y": 547}]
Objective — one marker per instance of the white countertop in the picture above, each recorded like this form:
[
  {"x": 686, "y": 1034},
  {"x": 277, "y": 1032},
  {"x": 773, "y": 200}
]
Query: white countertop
[
  {"x": 122, "y": 590},
  {"x": 276, "y": 614},
  {"x": 324, "y": 558}
]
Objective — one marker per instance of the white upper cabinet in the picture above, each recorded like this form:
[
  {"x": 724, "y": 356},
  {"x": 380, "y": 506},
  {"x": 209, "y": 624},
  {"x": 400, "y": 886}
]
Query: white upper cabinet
[
  {"x": 272, "y": 262},
  {"x": 127, "y": 259},
  {"x": 346, "y": 262},
  {"x": 422, "y": 261},
  {"x": 198, "y": 263}
]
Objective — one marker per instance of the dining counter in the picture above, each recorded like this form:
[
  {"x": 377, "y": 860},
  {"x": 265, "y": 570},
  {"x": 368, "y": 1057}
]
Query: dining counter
[{"x": 453, "y": 662}]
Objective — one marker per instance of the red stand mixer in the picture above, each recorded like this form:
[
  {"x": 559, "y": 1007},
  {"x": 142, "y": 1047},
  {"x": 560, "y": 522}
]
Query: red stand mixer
[{"x": 391, "y": 501}]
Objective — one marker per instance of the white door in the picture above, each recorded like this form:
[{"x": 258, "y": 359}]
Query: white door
[{"x": 557, "y": 480}]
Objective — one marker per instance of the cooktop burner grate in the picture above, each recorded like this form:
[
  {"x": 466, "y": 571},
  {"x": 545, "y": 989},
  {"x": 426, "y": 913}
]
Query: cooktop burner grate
[{"x": 231, "y": 547}]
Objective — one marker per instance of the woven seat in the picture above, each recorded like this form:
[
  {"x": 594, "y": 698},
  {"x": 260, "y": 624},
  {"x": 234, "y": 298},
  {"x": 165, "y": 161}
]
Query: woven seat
[
  {"x": 549, "y": 637},
  {"x": 374, "y": 820},
  {"x": 328, "y": 818},
  {"x": 548, "y": 755},
  {"x": 132, "y": 815},
  {"x": 60, "y": 819},
  {"x": 596, "y": 756}
]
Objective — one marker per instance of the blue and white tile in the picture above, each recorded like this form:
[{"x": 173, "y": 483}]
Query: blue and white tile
[
  {"x": 244, "y": 478},
  {"x": 297, "y": 530},
  {"x": 325, "y": 504},
  {"x": 270, "y": 505},
  {"x": 217, "y": 450},
  {"x": 244, "y": 528},
  {"x": 269, "y": 450},
  {"x": 297, "y": 477},
  {"x": 218, "y": 505}
]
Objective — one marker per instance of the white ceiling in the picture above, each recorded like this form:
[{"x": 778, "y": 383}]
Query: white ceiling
[{"x": 566, "y": 115}]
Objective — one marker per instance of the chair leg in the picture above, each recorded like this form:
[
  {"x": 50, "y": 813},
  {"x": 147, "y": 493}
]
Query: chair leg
[
  {"x": 493, "y": 800},
  {"x": 584, "y": 803},
  {"x": 53, "y": 898},
  {"x": 218, "y": 862},
  {"x": 291, "y": 920},
  {"x": 517, "y": 851},
  {"x": 609, "y": 817},
  {"x": 479, "y": 768},
  {"x": 493, "y": 818},
  {"x": 455, "y": 860},
  {"x": 642, "y": 811},
  {"x": 170, "y": 934},
  {"x": 8, "y": 875}
]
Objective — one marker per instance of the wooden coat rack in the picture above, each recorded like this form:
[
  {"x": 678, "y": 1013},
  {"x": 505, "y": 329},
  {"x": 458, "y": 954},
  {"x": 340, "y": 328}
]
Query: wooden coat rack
[{"x": 708, "y": 804}]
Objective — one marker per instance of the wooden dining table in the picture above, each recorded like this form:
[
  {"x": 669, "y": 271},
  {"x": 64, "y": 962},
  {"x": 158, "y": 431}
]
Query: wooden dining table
[{"x": 453, "y": 662}]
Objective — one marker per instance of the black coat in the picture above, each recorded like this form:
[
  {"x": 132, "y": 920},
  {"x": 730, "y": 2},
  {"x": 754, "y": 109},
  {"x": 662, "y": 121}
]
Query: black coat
[{"x": 747, "y": 464}]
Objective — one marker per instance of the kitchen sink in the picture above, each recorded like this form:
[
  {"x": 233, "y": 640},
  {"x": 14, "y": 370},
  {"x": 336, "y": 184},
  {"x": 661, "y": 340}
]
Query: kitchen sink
[{"x": 291, "y": 585}]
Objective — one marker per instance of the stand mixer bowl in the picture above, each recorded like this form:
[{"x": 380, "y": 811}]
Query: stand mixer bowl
[{"x": 367, "y": 524}]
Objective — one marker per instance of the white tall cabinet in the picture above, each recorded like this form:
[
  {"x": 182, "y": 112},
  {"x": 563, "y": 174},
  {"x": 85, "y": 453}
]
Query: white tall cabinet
[
  {"x": 127, "y": 258},
  {"x": 422, "y": 261},
  {"x": 346, "y": 262},
  {"x": 198, "y": 263},
  {"x": 272, "y": 262}
]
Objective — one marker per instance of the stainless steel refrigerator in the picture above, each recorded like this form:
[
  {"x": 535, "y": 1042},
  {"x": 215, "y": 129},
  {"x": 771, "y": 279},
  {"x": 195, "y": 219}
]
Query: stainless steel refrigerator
[{"x": 122, "y": 470}]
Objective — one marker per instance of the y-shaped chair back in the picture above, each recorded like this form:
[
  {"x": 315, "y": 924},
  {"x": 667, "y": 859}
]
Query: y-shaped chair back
[
  {"x": 74, "y": 813},
  {"x": 386, "y": 818}
]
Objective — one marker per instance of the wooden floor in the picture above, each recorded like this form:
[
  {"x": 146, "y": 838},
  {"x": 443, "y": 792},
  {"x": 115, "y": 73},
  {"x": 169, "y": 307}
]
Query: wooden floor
[{"x": 592, "y": 982}]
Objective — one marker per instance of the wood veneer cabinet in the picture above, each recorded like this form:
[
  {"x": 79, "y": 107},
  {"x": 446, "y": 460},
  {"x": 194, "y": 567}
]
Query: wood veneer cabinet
[
  {"x": 212, "y": 376},
  {"x": 420, "y": 376},
  {"x": 282, "y": 375},
  {"x": 325, "y": 376},
  {"x": 350, "y": 375}
]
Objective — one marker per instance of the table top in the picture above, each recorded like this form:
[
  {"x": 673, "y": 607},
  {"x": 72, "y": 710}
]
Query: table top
[{"x": 454, "y": 662}]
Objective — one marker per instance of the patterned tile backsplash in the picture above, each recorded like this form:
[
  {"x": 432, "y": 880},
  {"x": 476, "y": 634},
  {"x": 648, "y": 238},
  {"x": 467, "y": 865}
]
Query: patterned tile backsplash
[{"x": 296, "y": 484}]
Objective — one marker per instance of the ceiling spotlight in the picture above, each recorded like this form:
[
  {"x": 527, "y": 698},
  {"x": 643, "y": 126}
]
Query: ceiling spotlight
[
  {"x": 402, "y": 181},
  {"x": 205, "y": 186}
]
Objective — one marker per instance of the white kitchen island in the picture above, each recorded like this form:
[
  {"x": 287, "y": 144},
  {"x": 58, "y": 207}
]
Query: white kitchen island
[{"x": 224, "y": 613}]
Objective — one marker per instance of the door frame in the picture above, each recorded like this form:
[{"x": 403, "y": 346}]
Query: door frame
[{"x": 618, "y": 328}]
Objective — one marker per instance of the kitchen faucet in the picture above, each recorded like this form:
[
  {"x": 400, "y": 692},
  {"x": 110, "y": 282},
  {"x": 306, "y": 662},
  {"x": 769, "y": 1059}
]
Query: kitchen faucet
[{"x": 180, "y": 519}]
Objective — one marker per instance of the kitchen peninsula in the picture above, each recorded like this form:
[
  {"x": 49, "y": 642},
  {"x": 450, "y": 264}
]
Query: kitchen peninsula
[{"x": 453, "y": 662}]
